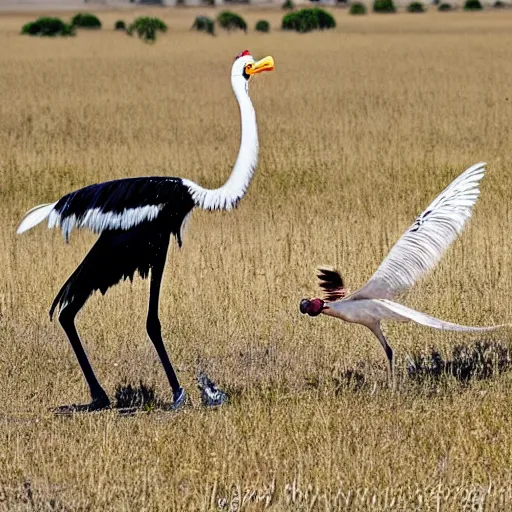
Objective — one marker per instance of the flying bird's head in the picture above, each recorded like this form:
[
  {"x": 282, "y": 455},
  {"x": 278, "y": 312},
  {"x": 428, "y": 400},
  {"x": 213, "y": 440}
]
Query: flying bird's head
[
  {"x": 313, "y": 307},
  {"x": 332, "y": 285},
  {"x": 245, "y": 66}
]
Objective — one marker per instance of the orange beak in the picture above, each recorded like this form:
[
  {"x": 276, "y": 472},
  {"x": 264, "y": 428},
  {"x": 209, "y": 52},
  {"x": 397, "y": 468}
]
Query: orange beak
[{"x": 266, "y": 64}]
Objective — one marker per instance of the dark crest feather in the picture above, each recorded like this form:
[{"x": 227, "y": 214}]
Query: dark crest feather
[{"x": 331, "y": 283}]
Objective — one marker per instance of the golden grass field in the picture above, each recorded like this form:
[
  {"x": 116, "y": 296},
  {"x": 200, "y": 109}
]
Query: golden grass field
[{"x": 359, "y": 129}]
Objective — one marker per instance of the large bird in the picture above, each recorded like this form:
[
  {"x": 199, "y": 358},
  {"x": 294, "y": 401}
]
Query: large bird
[
  {"x": 418, "y": 250},
  {"x": 135, "y": 218}
]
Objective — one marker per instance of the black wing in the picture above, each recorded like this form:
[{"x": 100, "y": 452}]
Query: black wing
[{"x": 121, "y": 204}]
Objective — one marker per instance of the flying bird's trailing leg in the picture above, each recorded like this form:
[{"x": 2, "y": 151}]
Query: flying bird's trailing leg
[{"x": 376, "y": 329}]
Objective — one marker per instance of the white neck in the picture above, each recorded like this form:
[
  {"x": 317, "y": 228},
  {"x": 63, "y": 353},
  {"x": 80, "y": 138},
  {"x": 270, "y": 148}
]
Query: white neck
[{"x": 227, "y": 196}]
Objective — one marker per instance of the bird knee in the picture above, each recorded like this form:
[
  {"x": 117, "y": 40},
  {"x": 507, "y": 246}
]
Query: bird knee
[
  {"x": 153, "y": 327},
  {"x": 66, "y": 317}
]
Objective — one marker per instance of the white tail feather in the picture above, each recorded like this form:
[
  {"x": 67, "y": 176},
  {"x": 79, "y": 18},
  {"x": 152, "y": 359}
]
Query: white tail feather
[
  {"x": 403, "y": 313},
  {"x": 35, "y": 216}
]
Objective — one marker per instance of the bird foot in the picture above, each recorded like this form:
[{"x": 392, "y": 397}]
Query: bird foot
[
  {"x": 97, "y": 404},
  {"x": 180, "y": 399},
  {"x": 211, "y": 396}
]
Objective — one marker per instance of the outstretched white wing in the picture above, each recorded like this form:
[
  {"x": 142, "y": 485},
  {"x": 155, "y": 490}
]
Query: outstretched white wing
[{"x": 421, "y": 247}]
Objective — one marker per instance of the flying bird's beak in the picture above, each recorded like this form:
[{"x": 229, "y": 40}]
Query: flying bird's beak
[
  {"x": 304, "y": 304},
  {"x": 266, "y": 64}
]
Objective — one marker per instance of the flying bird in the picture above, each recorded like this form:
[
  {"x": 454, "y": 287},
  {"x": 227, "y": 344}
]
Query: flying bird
[
  {"x": 135, "y": 218},
  {"x": 417, "y": 252}
]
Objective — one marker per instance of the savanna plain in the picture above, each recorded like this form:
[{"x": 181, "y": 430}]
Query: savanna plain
[{"x": 359, "y": 128}]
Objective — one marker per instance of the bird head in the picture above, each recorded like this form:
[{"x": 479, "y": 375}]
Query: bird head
[
  {"x": 313, "y": 307},
  {"x": 245, "y": 66}
]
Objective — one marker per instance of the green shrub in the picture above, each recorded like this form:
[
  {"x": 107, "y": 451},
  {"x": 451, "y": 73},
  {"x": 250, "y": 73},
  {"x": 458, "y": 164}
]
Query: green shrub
[
  {"x": 306, "y": 20},
  {"x": 231, "y": 21},
  {"x": 415, "y": 7},
  {"x": 204, "y": 24},
  {"x": 289, "y": 5},
  {"x": 357, "y": 9},
  {"x": 445, "y": 7},
  {"x": 384, "y": 6},
  {"x": 262, "y": 26},
  {"x": 472, "y": 5},
  {"x": 31, "y": 28},
  {"x": 288, "y": 22},
  {"x": 120, "y": 25},
  {"x": 85, "y": 20},
  {"x": 147, "y": 27},
  {"x": 47, "y": 27},
  {"x": 498, "y": 4},
  {"x": 325, "y": 20}
]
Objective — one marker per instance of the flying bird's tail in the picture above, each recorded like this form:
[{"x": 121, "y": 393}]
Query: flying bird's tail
[
  {"x": 331, "y": 282},
  {"x": 402, "y": 313},
  {"x": 34, "y": 216}
]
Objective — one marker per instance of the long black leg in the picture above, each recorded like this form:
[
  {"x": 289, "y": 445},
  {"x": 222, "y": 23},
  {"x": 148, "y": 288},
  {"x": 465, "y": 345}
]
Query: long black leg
[
  {"x": 154, "y": 329},
  {"x": 99, "y": 397}
]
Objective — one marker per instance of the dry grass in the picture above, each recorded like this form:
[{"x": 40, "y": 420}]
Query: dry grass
[{"x": 360, "y": 128}]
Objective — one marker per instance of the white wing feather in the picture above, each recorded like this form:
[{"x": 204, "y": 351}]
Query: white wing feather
[
  {"x": 394, "y": 311},
  {"x": 421, "y": 247}
]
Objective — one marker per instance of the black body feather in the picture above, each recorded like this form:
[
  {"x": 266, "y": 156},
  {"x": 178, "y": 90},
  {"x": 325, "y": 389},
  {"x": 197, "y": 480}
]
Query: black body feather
[
  {"x": 129, "y": 193},
  {"x": 118, "y": 254}
]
